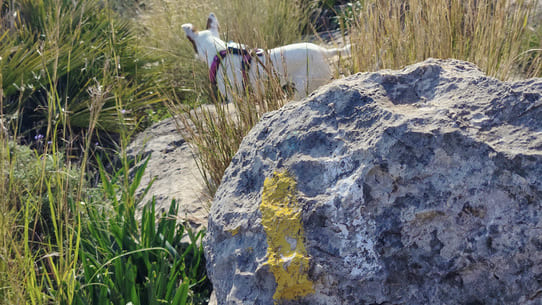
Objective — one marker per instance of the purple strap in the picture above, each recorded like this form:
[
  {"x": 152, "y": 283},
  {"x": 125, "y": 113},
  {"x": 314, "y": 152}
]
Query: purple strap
[
  {"x": 246, "y": 61},
  {"x": 214, "y": 66}
]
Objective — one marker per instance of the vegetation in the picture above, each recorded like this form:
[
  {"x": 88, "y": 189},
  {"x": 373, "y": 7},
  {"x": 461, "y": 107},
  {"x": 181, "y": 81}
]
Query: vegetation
[
  {"x": 75, "y": 84},
  {"x": 492, "y": 34},
  {"x": 144, "y": 263},
  {"x": 79, "y": 78},
  {"x": 74, "y": 50}
]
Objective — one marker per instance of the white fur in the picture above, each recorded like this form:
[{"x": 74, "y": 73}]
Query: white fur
[{"x": 305, "y": 65}]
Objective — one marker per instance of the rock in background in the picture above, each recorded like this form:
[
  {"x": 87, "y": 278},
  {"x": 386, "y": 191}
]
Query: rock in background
[
  {"x": 419, "y": 186},
  {"x": 174, "y": 170}
]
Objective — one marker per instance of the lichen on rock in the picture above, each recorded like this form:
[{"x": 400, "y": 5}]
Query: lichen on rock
[{"x": 287, "y": 257}]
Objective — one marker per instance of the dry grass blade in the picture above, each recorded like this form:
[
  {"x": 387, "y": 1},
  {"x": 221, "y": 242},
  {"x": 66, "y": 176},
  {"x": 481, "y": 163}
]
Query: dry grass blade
[{"x": 215, "y": 131}]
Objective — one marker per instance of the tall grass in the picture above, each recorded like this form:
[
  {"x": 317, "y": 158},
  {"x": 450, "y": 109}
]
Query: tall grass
[
  {"x": 390, "y": 34},
  {"x": 11, "y": 278},
  {"x": 217, "y": 131},
  {"x": 264, "y": 24}
]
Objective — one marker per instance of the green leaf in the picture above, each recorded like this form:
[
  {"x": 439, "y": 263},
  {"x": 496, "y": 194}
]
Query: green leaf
[
  {"x": 181, "y": 295},
  {"x": 137, "y": 177}
]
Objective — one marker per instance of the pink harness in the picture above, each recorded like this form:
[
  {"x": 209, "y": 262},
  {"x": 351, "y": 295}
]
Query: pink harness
[{"x": 245, "y": 62}]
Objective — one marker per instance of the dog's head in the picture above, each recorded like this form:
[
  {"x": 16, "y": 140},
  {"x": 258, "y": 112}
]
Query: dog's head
[{"x": 197, "y": 38}]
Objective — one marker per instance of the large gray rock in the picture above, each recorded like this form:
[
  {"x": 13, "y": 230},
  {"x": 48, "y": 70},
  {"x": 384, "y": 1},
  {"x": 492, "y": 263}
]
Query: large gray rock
[{"x": 419, "y": 186}]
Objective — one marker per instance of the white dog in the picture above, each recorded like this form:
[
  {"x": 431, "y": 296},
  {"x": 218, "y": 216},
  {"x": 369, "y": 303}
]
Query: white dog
[{"x": 303, "y": 65}]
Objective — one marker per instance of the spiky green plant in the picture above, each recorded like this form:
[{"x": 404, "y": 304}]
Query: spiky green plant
[
  {"x": 125, "y": 261},
  {"x": 75, "y": 45}
]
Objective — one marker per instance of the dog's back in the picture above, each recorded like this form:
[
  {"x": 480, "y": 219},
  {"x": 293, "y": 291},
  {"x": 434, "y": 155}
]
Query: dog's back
[{"x": 306, "y": 65}]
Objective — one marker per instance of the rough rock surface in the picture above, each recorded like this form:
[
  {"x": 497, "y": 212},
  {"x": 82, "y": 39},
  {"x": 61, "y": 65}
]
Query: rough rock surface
[
  {"x": 174, "y": 170},
  {"x": 419, "y": 186}
]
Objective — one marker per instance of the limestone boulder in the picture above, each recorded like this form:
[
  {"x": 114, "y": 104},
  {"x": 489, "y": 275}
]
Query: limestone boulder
[{"x": 418, "y": 186}]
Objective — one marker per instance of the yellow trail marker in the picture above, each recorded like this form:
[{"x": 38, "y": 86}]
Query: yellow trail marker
[{"x": 286, "y": 254}]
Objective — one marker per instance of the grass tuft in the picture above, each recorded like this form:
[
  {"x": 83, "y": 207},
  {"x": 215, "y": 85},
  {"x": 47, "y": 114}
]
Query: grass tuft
[{"x": 391, "y": 34}]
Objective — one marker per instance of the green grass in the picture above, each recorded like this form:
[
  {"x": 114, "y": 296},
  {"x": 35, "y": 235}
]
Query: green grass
[{"x": 143, "y": 262}]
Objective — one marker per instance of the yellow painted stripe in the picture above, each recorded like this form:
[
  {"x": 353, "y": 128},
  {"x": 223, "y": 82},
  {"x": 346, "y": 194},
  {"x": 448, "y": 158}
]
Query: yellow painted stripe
[{"x": 287, "y": 257}]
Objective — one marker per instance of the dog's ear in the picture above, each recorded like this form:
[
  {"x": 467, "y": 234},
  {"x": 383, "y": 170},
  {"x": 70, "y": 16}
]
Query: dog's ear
[
  {"x": 189, "y": 30},
  {"x": 191, "y": 34},
  {"x": 212, "y": 24}
]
